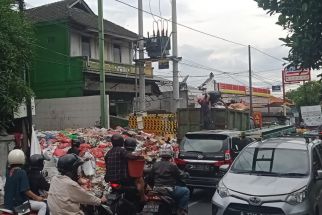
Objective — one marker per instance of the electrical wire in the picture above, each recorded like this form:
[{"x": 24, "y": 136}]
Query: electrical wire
[
  {"x": 201, "y": 32},
  {"x": 151, "y": 11},
  {"x": 264, "y": 53}
]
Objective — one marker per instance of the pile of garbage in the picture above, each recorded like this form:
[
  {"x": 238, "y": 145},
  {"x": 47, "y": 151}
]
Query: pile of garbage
[{"x": 96, "y": 142}]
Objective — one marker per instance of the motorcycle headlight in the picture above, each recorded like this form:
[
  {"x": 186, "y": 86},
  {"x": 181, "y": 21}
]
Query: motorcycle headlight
[
  {"x": 297, "y": 197},
  {"x": 222, "y": 190}
]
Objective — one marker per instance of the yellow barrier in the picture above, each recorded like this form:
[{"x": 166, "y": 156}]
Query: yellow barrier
[{"x": 159, "y": 124}]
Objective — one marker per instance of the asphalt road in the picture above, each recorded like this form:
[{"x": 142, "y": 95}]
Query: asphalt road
[{"x": 200, "y": 202}]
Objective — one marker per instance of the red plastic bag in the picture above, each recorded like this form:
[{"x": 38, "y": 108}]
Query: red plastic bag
[
  {"x": 100, "y": 163},
  {"x": 59, "y": 152},
  {"x": 97, "y": 152},
  {"x": 84, "y": 146},
  {"x": 103, "y": 145}
]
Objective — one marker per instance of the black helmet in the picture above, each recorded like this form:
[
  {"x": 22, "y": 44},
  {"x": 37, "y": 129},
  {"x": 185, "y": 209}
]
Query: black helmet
[
  {"x": 36, "y": 162},
  {"x": 76, "y": 143},
  {"x": 130, "y": 144},
  {"x": 68, "y": 165},
  {"x": 117, "y": 140}
]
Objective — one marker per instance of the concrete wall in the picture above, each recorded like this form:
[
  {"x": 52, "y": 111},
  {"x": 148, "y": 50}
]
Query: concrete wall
[
  {"x": 165, "y": 102},
  {"x": 62, "y": 113}
]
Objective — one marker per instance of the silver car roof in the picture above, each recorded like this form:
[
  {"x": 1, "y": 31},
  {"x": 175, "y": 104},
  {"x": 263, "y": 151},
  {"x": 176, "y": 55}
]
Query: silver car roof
[{"x": 282, "y": 143}]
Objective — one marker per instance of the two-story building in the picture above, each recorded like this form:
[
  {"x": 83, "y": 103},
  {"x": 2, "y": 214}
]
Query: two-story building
[{"x": 66, "y": 56}]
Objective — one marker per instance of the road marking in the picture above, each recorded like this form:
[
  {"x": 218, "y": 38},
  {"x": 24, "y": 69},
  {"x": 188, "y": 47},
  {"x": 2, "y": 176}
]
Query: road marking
[{"x": 193, "y": 203}]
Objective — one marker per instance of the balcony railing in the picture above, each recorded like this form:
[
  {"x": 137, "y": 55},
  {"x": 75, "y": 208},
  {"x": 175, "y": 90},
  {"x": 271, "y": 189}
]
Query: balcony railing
[{"x": 116, "y": 68}]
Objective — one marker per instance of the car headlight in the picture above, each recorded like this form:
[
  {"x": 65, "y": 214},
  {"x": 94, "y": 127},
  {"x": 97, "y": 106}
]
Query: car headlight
[
  {"x": 297, "y": 197},
  {"x": 222, "y": 190}
]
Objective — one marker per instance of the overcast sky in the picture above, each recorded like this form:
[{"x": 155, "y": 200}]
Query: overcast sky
[{"x": 237, "y": 20}]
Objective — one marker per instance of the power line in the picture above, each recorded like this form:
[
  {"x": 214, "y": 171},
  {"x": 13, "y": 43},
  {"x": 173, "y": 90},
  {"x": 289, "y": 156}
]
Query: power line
[
  {"x": 182, "y": 25},
  {"x": 201, "y": 32},
  {"x": 264, "y": 53}
]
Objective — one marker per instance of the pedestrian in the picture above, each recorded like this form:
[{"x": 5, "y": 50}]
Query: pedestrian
[{"x": 75, "y": 147}]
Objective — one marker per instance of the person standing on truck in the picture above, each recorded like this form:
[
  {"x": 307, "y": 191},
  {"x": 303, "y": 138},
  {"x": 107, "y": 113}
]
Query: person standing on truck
[{"x": 65, "y": 195}]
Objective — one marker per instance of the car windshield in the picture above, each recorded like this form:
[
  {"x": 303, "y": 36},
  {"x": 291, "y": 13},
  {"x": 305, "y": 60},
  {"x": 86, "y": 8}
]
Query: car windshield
[
  {"x": 204, "y": 143},
  {"x": 273, "y": 162}
]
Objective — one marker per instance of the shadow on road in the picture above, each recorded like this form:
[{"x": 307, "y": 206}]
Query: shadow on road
[{"x": 200, "y": 202}]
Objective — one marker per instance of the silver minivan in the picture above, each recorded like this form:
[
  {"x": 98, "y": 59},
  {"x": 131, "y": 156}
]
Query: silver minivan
[{"x": 280, "y": 176}]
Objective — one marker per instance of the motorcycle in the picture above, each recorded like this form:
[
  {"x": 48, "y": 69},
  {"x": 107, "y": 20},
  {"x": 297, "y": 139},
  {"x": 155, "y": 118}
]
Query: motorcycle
[
  {"x": 123, "y": 199},
  {"x": 160, "y": 202}
]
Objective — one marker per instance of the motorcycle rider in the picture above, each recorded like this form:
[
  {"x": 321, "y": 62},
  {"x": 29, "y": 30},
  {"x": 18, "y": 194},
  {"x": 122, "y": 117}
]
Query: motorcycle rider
[
  {"x": 17, "y": 188},
  {"x": 165, "y": 173},
  {"x": 75, "y": 147},
  {"x": 130, "y": 145},
  {"x": 65, "y": 195},
  {"x": 37, "y": 181}
]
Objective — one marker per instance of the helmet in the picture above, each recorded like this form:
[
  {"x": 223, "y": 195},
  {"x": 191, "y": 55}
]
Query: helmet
[
  {"x": 117, "y": 140},
  {"x": 166, "y": 152},
  {"x": 68, "y": 165},
  {"x": 130, "y": 144},
  {"x": 76, "y": 143},
  {"x": 36, "y": 162},
  {"x": 17, "y": 157}
]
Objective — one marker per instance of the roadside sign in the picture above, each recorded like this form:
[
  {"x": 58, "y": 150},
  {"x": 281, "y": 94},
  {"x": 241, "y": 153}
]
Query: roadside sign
[
  {"x": 276, "y": 88},
  {"x": 311, "y": 115},
  {"x": 163, "y": 64},
  {"x": 295, "y": 74}
]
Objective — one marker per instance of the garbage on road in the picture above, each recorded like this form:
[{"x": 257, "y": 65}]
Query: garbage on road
[{"x": 95, "y": 143}]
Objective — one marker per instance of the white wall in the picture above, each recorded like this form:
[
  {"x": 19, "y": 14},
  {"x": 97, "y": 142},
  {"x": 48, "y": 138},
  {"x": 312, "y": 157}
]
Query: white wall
[{"x": 62, "y": 113}]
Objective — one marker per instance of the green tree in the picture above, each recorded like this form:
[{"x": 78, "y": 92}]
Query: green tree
[
  {"x": 307, "y": 94},
  {"x": 16, "y": 39},
  {"x": 303, "y": 20}
]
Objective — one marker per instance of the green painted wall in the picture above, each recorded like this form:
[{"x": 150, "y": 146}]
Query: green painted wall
[{"x": 54, "y": 74}]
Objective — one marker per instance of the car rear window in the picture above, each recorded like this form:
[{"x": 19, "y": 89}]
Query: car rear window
[
  {"x": 206, "y": 143},
  {"x": 272, "y": 161}
]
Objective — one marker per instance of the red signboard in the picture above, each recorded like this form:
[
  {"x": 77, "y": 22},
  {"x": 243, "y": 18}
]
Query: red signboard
[
  {"x": 242, "y": 90},
  {"x": 294, "y": 75}
]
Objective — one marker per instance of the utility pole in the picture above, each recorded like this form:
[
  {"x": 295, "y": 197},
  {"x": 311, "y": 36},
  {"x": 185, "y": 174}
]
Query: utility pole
[
  {"x": 101, "y": 65},
  {"x": 176, "y": 95},
  {"x": 141, "y": 58},
  {"x": 26, "y": 77},
  {"x": 250, "y": 83}
]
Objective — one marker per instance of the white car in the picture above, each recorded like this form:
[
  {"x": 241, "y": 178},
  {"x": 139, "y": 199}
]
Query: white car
[{"x": 280, "y": 176}]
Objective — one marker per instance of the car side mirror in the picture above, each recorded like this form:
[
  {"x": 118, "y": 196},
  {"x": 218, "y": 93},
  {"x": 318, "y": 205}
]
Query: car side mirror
[
  {"x": 319, "y": 175},
  {"x": 224, "y": 168}
]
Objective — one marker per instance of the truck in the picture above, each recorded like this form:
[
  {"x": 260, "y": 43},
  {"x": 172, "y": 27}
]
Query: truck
[{"x": 189, "y": 119}]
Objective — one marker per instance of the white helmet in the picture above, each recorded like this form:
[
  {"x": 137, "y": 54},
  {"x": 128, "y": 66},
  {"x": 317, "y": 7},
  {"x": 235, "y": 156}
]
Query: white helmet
[{"x": 16, "y": 156}]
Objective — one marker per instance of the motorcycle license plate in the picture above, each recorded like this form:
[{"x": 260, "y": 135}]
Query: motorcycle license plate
[{"x": 151, "y": 207}]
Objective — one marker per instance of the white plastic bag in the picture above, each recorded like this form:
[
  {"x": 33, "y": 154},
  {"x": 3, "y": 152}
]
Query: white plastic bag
[
  {"x": 89, "y": 167},
  {"x": 34, "y": 146}
]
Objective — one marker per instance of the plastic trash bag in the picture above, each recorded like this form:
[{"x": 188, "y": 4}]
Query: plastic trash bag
[{"x": 89, "y": 165}]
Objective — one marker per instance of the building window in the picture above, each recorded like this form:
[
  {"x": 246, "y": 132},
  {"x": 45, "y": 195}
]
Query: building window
[
  {"x": 86, "y": 47},
  {"x": 117, "y": 53}
]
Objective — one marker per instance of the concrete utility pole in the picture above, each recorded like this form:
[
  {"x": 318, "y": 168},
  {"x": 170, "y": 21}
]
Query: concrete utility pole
[
  {"x": 250, "y": 83},
  {"x": 104, "y": 113},
  {"x": 141, "y": 57},
  {"x": 176, "y": 95}
]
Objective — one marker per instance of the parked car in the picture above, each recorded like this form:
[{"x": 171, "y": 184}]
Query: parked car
[
  {"x": 203, "y": 152},
  {"x": 277, "y": 176}
]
